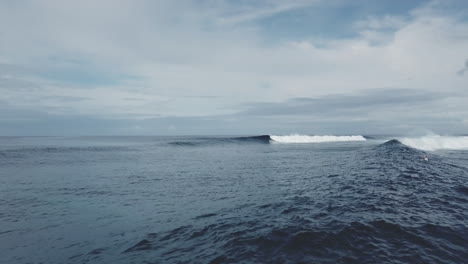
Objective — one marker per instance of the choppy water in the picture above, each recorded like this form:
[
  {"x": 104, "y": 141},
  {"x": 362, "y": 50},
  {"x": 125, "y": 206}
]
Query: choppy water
[{"x": 230, "y": 200}]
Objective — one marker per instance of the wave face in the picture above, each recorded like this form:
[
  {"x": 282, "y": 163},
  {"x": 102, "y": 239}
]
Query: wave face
[
  {"x": 259, "y": 139},
  {"x": 315, "y": 139},
  {"x": 209, "y": 141},
  {"x": 436, "y": 142}
]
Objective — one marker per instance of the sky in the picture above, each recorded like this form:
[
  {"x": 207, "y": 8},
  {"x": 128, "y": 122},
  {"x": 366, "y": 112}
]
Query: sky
[{"x": 229, "y": 67}]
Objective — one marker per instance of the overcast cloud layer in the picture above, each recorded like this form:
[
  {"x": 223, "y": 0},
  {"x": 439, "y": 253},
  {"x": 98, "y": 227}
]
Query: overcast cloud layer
[{"x": 233, "y": 67}]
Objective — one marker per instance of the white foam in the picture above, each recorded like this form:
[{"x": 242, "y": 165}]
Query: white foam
[
  {"x": 436, "y": 142},
  {"x": 315, "y": 139}
]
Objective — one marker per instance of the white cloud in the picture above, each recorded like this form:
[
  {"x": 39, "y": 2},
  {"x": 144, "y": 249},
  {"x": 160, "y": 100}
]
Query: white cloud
[
  {"x": 385, "y": 22},
  {"x": 177, "y": 50},
  {"x": 464, "y": 69},
  {"x": 265, "y": 9}
]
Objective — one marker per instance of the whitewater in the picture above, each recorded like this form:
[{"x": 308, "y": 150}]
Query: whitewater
[
  {"x": 427, "y": 142},
  {"x": 436, "y": 142}
]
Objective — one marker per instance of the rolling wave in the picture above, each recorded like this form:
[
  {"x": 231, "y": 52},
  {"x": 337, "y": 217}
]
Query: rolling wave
[
  {"x": 398, "y": 152},
  {"x": 315, "y": 139},
  {"x": 393, "y": 142},
  {"x": 267, "y": 139},
  {"x": 425, "y": 143},
  {"x": 436, "y": 142}
]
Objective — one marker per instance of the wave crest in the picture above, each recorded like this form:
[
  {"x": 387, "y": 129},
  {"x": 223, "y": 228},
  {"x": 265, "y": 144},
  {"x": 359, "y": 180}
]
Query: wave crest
[
  {"x": 315, "y": 139},
  {"x": 436, "y": 142}
]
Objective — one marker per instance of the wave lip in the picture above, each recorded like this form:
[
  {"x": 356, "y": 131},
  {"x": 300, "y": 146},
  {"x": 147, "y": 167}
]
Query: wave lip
[
  {"x": 436, "y": 142},
  {"x": 315, "y": 139}
]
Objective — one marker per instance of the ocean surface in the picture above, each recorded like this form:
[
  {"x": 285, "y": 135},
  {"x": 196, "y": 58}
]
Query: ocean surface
[{"x": 260, "y": 199}]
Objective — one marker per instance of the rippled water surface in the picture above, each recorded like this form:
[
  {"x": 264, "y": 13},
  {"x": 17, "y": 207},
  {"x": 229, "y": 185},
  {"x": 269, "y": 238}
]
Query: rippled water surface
[{"x": 230, "y": 200}]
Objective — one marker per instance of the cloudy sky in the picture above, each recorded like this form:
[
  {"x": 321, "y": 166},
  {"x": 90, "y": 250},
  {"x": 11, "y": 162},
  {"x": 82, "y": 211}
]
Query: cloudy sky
[{"x": 141, "y": 67}]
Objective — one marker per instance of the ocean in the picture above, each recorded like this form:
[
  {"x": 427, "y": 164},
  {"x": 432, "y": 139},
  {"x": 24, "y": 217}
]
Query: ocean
[{"x": 232, "y": 199}]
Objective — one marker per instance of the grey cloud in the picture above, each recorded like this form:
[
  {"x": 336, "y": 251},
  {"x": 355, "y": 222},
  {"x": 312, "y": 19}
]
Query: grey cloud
[
  {"x": 18, "y": 85},
  {"x": 133, "y": 99},
  {"x": 13, "y": 77},
  {"x": 346, "y": 105},
  {"x": 66, "y": 99},
  {"x": 201, "y": 96},
  {"x": 382, "y": 111},
  {"x": 375, "y": 112},
  {"x": 464, "y": 69},
  {"x": 12, "y": 113},
  {"x": 45, "y": 125}
]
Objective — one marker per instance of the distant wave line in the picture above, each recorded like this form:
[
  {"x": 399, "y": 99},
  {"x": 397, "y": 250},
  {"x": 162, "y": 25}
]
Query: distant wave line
[{"x": 295, "y": 138}]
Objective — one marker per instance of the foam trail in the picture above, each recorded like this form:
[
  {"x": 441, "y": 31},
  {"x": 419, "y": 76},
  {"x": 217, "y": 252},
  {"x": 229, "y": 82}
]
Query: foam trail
[
  {"x": 315, "y": 139},
  {"x": 436, "y": 142}
]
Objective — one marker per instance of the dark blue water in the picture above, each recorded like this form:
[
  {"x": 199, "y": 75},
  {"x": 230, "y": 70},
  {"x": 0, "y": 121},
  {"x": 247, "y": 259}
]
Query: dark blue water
[{"x": 229, "y": 200}]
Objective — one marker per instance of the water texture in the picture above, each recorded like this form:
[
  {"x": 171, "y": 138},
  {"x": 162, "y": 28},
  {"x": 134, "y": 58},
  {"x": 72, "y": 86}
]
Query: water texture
[{"x": 233, "y": 200}]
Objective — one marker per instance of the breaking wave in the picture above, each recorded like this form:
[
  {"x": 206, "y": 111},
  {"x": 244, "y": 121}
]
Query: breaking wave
[
  {"x": 315, "y": 139},
  {"x": 425, "y": 143},
  {"x": 436, "y": 142},
  {"x": 267, "y": 139}
]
